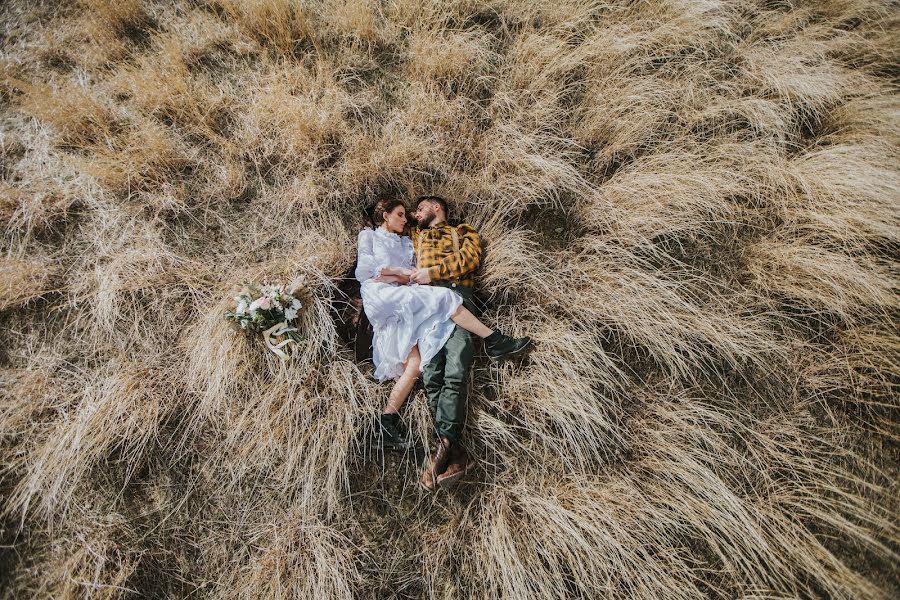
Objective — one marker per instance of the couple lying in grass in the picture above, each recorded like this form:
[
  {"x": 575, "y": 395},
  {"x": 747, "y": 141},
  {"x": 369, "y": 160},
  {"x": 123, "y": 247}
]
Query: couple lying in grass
[{"x": 417, "y": 293}]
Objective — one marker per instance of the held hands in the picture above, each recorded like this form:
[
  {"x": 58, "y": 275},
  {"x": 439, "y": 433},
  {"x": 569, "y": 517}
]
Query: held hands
[
  {"x": 420, "y": 276},
  {"x": 404, "y": 276},
  {"x": 395, "y": 275}
]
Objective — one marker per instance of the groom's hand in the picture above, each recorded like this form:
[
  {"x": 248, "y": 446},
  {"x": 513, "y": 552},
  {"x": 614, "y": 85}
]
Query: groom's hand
[{"x": 421, "y": 276}]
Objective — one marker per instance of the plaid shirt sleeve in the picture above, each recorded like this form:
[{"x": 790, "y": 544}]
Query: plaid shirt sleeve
[
  {"x": 456, "y": 265},
  {"x": 438, "y": 257}
]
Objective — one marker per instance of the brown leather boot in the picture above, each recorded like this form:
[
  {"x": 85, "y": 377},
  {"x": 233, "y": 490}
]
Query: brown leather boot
[
  {"x": 437, "y": 465},
  {"x": 457, "y": 466},
  {"x": 427, "y": 480}
]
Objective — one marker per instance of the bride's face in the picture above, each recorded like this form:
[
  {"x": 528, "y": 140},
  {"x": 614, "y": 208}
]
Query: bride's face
[{"x": 395, "y": 220}]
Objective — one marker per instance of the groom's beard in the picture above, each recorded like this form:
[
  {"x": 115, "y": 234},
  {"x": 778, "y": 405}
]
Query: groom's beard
[{"x": 428, "y": 219}]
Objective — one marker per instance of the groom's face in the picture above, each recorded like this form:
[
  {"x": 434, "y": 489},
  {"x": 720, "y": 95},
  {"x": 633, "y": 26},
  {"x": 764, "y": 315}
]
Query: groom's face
[{"x": 425, "y": 213}]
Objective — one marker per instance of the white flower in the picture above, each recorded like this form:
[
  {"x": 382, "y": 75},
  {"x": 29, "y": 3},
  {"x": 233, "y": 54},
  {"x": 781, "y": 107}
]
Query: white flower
[
  {"x": 296, "y": 304},
  {"x": 290, "y": 314}
]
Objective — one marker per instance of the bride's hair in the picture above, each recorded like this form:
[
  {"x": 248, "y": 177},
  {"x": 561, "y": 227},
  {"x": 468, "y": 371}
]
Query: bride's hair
[{"x": 384, "y": 206}]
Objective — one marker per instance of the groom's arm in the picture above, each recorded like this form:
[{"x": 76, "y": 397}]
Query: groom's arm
[{"x": 464, "y": 262}]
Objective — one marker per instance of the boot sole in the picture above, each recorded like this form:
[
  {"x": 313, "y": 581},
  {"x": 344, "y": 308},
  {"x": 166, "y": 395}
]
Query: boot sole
[
  {"x": 377, "y": 445},
  {"x": 450, "y": 480},
  {"x": 405, "y": 447},
  {"x": 509, "y": 355}
]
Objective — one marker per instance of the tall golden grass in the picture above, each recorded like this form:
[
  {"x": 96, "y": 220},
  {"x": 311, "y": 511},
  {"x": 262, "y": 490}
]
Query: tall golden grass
[{"x": 690, "y": 205}]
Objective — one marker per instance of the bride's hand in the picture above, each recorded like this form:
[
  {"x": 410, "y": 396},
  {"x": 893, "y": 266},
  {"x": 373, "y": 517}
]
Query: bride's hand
[
  {"x": 392, "y": 278},
  {"x": 421, "y": 276}
]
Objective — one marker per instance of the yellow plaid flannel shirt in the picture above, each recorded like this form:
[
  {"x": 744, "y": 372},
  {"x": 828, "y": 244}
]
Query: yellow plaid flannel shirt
[{"x": 433, "y": 249}]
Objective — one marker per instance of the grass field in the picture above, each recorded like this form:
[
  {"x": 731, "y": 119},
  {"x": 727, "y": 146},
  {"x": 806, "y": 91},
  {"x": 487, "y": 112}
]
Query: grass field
[{"x": 691, "y": 205}]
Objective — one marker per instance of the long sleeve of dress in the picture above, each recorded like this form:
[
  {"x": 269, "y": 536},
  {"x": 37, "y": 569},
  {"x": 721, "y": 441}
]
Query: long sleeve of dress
[{"x": 367, "y": 266}]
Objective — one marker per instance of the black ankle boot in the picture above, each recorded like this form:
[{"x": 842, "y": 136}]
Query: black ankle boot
[
  {"x": 499, "y": 346},
  {"x": 389, "y": 433}
]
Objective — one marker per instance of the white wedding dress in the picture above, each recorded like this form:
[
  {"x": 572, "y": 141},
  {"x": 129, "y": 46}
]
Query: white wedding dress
[{"x": 401, "y": 315}]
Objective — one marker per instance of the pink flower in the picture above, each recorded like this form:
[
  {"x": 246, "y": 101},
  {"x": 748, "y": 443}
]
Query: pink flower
[{"x": 263, "y": 303}]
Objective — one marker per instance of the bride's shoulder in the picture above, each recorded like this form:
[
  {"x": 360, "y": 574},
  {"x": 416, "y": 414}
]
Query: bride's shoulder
[{"x": 365, "y": 238}]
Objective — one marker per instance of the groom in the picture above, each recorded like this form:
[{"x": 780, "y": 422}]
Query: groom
[{"x": 448, "y": 256}]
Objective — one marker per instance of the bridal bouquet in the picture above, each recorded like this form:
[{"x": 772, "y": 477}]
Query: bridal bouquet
[{"x": 268, "y": 309}]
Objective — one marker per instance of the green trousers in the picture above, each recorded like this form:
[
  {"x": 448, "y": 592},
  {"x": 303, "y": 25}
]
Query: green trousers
[{"x": 446, "y": 377}]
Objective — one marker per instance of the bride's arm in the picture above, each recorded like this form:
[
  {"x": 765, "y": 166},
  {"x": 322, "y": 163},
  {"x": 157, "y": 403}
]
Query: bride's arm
[
  {"x": 396, "y": 271},
  {"x": 394, "y": 275}
]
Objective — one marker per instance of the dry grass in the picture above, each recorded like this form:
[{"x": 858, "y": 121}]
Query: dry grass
[
  {"x": 40, "y": 188},
  {"x": 298, "y": 558},
  {"x": 356, "y": 21},
  {"x": 161, "y": 85},
  {"x": 690, "y": 205},
  {"x": 118, "y": 16},
  {"x": 118, "y": 412},
  {"x": 24, "y": 280},
  {"x": 147, "y": 159},
  {"x": 279, "y": 24},
  {"x": 77, "y": 118},
  {"x": 448, "y": 57},
  {"x": 824, "y": 281},
  {"x": 91, "y": 560}
]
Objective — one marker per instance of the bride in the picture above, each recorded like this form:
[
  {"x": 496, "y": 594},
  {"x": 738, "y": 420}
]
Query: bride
[{"x": 411, "y": 322}]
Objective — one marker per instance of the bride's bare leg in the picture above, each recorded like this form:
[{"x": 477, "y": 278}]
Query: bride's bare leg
[
  {"x": 497, "y": 345},
  {"x": 404, "y": 384},
  {"x": 465, "y": 319}
]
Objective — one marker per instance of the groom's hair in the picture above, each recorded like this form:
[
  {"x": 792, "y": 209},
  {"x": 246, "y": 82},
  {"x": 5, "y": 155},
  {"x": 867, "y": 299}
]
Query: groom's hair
[
  {"x": 437, "y": 199},
  {"x": 384, "y": 206}
]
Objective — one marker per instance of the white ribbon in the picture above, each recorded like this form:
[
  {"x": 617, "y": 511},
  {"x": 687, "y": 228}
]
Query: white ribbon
[{"x": 278, "y": 329}]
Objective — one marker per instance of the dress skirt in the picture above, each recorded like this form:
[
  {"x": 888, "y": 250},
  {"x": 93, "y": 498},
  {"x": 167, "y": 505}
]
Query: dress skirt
[{"x": 403, "y": 316}]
